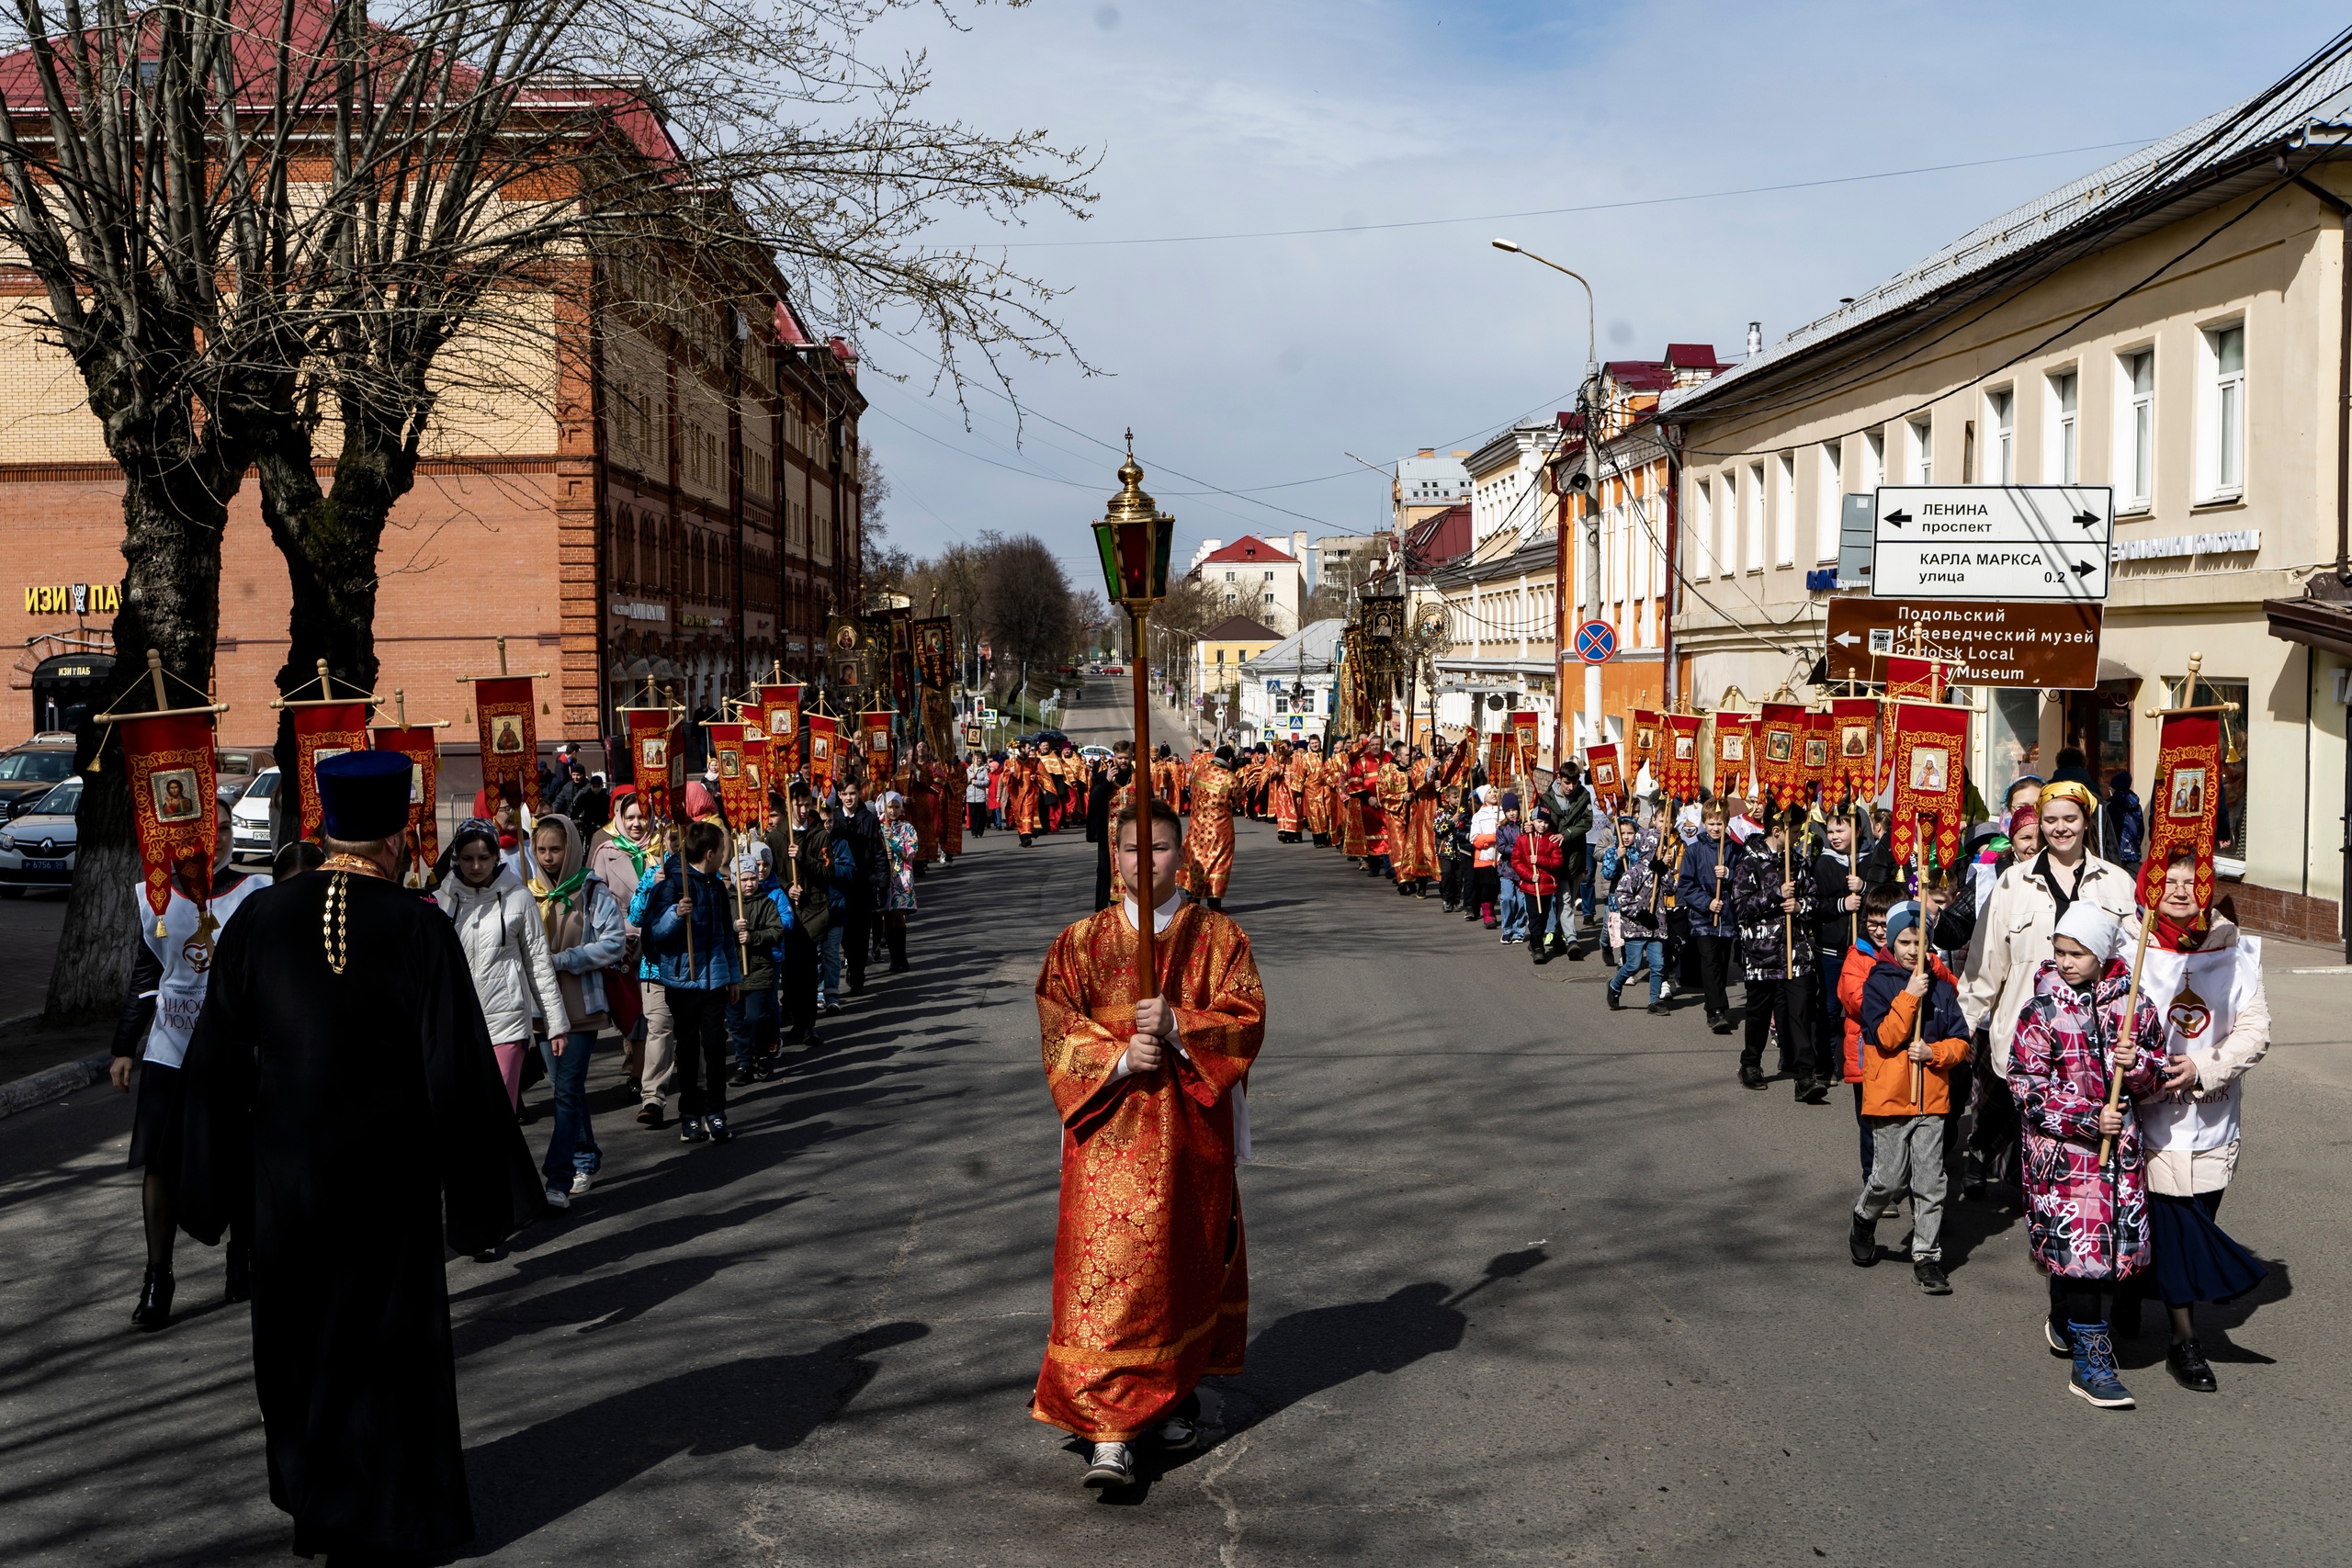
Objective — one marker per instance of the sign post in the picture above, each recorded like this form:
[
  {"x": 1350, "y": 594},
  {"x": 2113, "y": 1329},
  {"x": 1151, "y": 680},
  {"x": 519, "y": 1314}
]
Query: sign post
[
  {"x": 2006, "y": 542},
  {"x": 2052, "y": 646}
]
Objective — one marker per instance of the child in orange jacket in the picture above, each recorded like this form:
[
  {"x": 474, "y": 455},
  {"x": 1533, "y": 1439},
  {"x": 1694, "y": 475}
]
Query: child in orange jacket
[
  {"x": 1909, "y": 1016},
  {"x": 1851, "y": 975}
]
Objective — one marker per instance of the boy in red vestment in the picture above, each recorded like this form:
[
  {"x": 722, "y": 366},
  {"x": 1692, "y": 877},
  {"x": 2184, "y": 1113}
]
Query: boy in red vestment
[{"x": 1151, "y": 1281}]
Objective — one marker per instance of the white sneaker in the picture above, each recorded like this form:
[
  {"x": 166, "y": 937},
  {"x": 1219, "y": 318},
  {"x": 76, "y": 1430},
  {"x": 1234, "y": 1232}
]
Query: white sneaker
[
  {"x": 581, "y": 1180},
  {"x": 559, "y": 1195},
  {"x": 1179, "y": 1435},
  {"x": 1114, "y": 1464}
]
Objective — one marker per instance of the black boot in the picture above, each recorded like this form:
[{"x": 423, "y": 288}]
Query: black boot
[
  {"x": 154, "y": 1308},
  {"x": 240, "y": 1286},
  {"x": 2186, "y": 1363}
]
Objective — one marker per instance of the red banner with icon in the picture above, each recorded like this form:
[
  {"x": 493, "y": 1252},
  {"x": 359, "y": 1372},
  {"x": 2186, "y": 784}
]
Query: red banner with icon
[
  {"x": 1525, "y": 725},
  {"x": 874, "y": 735},
  {"x": 657, "y": 762},
  {"x": 507, "y": 719},
  {"x": 171, "y": 802},
  {"x": 757, "y": 775},
  {"x": 327, "y": 730},
  {"x": 780, "y": 717},
  {"x": 2182, "y": 808},
  {"x": 1814, "y": 743},
  {"x": 1643, "y": 729},
  {"x": 421, "y": 747},
  {"x": 1779, "y": 762},
  {"x": 1735, "y": 756},
  {"x": 736, "y": 795},
  {"x": 1915, "y": 680},
  {"x": 1607, "y": 775},
  {"x": 1677, "y": 774},
  {"x": 1854, "y": 751},
  {"x": 1929, "y": 751},
  {"x": 824, "y": 741}
]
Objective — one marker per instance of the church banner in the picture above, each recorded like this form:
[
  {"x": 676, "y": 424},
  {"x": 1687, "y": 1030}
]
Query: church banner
[
  {"x": 171, "y": 779},
  {"x": 507, "y": 719},
  {"x": 874, "y": 735},
  {"x": 1780, "y": 767},
  {"x": 1525, "y": 725},
  {"x": 1915, "y": 680},
  {"x": 759, "y": 778},
  {"x": 1734, "y": 757},
  {"x": 736, "y": 794},
  {"x": 1814, "y": 742},
  {"x": 935, "y": 651},
  {"x": 780, "y": 715},
  {"x": 1608, "y": 783},
  {"x": 323, "y": 731},
  {"x": 2181, "y": 807},
  {"x": 824, "y": 739},
  {"x": 658, "y": 765},
  {"x": 1678, "y": 776},
  {"x": 1929, "y": 750},
  {"x": 419, "y": 745},
  {"x": 1854, "y": 753},
  {"x": 1641, "y": 729}
]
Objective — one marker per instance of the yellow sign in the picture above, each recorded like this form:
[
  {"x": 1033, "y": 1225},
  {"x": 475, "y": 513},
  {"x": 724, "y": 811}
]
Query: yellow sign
[{"x": 73, "y": 599}]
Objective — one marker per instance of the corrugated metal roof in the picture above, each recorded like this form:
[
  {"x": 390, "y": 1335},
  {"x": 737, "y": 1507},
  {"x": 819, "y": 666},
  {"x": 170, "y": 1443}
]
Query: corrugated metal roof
[
  {"x": 2194, "y": 157},
  {"x": 1314, "y": 647}
]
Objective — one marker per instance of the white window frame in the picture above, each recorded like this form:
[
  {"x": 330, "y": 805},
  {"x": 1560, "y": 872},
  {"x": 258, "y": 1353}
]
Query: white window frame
[
  {"x": 1830, "y": 504},
  {"x": 1702, "y": 537},
  {"x": 2135, "y": 432},
  {"x": 1751, "y": 551},
  {"x": 2061, "y": 438},
  {"x": 1727, "y": 561},
  {"x": 2001, "y": 425},
  {"x": 1874, "y": 469},
  {"x": 1919, "y": 449},
  {"x": 2220, "y": 416},
  {"x": 1784, "y": 509}
]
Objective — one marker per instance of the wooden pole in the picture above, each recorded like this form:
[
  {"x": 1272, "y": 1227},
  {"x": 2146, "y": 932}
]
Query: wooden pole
[
  {"x": 1788, "y": 917},
  {"x": 1147, "y": 905},
  {"x": 743, "y": 941},
  {"x": 1920, "y": 965}
]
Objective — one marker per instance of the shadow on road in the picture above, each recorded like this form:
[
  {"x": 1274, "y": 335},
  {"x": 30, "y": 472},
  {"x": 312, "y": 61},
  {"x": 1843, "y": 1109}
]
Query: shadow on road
[{"x": 530, "y": 1479}]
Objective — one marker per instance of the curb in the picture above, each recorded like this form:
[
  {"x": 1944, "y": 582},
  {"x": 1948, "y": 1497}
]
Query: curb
[{"x": 52, "y": 1083}]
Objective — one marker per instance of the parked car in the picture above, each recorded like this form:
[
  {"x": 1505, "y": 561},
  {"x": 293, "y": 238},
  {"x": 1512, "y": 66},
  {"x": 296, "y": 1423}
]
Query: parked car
[
  {"x": 1095, "y": 753},
  {"x": 233, "y": 770},
  {"x": 37, "y": 847},
  {"x": 249, "y": 829},
  {"x": 35, "y": 768},
  {"x": 1114, "y": 669}
]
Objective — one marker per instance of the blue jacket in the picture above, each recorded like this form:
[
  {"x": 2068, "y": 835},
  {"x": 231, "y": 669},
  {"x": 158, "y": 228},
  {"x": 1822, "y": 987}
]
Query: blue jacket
[
  {"x": 654, "y": 911},
  {"x": 1695, "y": 888}
]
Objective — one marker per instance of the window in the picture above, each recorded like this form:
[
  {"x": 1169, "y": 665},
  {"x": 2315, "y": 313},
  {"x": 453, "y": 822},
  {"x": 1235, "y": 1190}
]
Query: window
[
  {"x": 1728, "y": 561},
  {"x": 1784, "y": 509},
  {"x": 2062, "y": 453},
  {"x": 2221, "y": 439},
  {"x": 1873, "y": 460},
  {"x": 2136, "y": 430},
  {"x": 2016, "y": 741},
  {"x": 1228, "y": 577},
  {"x": 1703, "y": 536},
  {"x": 1752, "y": 534},
  {"x": 2001, "y": 415},
  {"x": 2231, "y": 817},
  {"x": 1832, "y": 501},
  {"x": 1923, "y": 451}
]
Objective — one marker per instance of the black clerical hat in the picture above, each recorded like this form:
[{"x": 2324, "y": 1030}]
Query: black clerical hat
[{"x": 365, "y": 794}]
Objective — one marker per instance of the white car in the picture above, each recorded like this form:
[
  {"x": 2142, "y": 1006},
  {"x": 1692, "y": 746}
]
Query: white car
[
  {"x": 37, "y": 847},
  {"x": 249, "y": 829}
]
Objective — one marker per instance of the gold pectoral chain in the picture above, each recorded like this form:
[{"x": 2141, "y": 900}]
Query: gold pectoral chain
[{"x": 338, "y": 909}]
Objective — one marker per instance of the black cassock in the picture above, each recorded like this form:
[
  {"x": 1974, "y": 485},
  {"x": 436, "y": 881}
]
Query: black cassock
[{"x": 344, "y": 1112}]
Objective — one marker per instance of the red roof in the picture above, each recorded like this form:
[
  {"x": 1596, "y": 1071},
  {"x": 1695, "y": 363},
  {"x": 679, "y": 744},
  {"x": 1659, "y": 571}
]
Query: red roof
[
  {"x": 1249, "y": 548},
  {"x": 1240, "y": 628},
  {"x": 1692, "y": 356}
]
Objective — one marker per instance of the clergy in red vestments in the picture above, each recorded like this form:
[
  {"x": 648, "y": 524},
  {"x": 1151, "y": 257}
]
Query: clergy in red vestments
[{"x": 1151, "y": 1281}]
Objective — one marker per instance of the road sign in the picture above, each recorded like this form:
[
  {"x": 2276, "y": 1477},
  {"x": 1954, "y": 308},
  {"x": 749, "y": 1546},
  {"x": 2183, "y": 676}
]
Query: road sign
[
  {"x": 2006, "y": 542},
  {"x": 1596, "y": 642},
  {"x": 988, "y": 715},
  {"x": 2045, "y": 645}
]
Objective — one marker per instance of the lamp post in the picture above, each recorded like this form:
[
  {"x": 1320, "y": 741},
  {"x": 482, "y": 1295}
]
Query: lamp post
[{"x": 1133, "y": 537}]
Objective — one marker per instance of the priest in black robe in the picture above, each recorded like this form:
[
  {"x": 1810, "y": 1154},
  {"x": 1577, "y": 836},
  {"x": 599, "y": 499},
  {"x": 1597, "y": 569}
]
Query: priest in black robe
[{"x": 342, "y": 1097}]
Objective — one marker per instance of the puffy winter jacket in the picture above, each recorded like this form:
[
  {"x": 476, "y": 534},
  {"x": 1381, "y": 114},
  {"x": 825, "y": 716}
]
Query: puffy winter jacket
[
  {"x": 506, "y": 948},
  {"x": 702, "y": 959},
  {"x": 1694, "y": 886},
  {"x": 1890, "y": 1019},
  {"x": 1535, "y": 861}
]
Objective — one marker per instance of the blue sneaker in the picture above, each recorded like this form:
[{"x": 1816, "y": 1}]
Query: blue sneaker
[
  {"x": 690, "y": 1130},
  {"x": 2095, "y": 1378}
]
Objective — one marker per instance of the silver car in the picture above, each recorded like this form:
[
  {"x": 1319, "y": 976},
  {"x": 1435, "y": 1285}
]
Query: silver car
[
  {"x": 37, "y": 847},
  {"x": 249, "y": 832}
]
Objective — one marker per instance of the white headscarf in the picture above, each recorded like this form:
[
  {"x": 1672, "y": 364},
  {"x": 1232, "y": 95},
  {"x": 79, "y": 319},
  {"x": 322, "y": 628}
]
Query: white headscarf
[{"x": 2097, "y": 930}]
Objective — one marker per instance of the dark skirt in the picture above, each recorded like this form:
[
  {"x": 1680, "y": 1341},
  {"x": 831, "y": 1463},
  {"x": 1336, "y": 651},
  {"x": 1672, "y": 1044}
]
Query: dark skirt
[
  {"x": 2195, "y": 1259},
  {"x": 154, "y": 1119}
]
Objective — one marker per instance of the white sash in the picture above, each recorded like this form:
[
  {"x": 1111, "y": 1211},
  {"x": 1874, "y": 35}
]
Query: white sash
[
  {"x": 2199, "y": 995},
  {"x": 187, "y": 966}
]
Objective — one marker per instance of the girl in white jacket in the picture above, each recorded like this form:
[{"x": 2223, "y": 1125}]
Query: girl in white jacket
[{"x": 506, "y": 945}]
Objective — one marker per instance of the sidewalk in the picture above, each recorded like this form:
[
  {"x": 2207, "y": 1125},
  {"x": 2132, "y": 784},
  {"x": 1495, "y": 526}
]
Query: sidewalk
[{"x": 2309, "y": 1032}]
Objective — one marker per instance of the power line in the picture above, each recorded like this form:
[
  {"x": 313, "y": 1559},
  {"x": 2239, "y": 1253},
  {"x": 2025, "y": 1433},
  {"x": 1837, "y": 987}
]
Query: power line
[{"x": 1546, "y": 211}]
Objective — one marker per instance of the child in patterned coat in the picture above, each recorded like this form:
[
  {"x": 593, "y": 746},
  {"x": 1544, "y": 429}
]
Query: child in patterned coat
[{"x": 2087, "y": 1220}]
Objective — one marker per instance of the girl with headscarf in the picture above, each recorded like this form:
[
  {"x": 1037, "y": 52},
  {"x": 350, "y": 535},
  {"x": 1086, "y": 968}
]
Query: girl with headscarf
[
  {"x": 505, "y": 946},
  {"x": 2086, "y": 1216},
  {"x": 2204, "y": 977},
  {"x": 901, "y": 844},
  {"x": 586, "y": 932},
  {"x": 618, "y": 856}
]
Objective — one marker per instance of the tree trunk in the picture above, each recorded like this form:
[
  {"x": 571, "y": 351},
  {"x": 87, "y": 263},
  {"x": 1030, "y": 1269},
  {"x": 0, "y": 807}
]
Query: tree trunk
[
  {"x": 174, "y": 507},
  {"x": 329, "y": 539}
]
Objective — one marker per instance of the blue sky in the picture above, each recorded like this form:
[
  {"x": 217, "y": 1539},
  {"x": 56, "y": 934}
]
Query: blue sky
[{"x": 1263, "y": 362}]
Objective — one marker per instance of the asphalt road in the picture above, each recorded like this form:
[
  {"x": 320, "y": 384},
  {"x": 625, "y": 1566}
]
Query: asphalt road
[{"x": 1533, "y": 1283}]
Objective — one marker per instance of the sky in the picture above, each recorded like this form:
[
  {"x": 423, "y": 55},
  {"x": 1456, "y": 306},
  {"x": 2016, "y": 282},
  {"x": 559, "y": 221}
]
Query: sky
[{"x": 1259, "y": 365}]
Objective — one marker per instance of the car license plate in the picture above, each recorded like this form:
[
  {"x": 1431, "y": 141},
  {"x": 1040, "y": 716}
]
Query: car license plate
[{"x": 44, "y": 865}]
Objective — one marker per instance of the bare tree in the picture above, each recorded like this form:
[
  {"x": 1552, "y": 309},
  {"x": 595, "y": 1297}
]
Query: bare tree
[
  {"x": 265, "y": 231},
  {"x": 1027, "y": 606}
]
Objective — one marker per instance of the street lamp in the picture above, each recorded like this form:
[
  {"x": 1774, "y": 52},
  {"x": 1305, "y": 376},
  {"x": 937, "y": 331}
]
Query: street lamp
[
  {"x": 1133, "y": 538},
  {"x": 1592, "y": 339}
]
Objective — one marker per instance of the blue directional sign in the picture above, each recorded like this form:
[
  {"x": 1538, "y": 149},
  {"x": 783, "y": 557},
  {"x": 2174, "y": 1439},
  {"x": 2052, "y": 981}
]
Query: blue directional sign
[{"x": 1596, "y": 642}]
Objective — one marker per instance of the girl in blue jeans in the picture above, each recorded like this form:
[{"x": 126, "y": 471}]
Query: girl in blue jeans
[
  {"x": 587, "y": 932},
  {"x": 1639, "y": 903}
]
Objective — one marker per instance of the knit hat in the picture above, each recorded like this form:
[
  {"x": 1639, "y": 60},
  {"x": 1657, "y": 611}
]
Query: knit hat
[
  {"x": 2097, "y": 930},
  {"x": 1511, "y": 800},
  {"x": 1902, "y": 917}
]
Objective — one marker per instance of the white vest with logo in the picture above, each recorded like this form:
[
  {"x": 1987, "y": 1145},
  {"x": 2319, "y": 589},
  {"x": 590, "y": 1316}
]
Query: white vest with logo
[{"x": 188, "y": 965}]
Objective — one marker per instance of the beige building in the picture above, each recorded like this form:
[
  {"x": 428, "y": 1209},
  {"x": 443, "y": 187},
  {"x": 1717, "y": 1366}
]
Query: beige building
[{"x": 2172, "y": 326}]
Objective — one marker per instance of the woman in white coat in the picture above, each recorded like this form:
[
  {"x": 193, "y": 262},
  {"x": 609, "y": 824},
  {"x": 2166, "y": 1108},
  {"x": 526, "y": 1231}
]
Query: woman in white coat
[
  {"x": 2013, "y": 936},
  {"x": 505, "y": 946}
]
